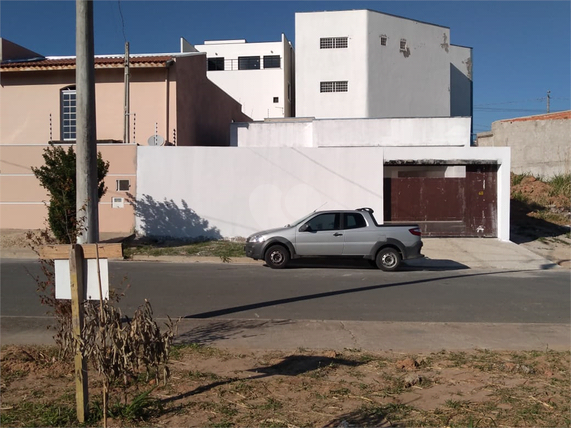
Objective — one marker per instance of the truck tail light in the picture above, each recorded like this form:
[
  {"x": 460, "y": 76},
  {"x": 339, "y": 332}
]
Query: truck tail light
[{"x": 415, "y": 231}]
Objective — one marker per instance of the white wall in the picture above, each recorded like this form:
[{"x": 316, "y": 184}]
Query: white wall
[
  {"x": 353, "y": 133},
  {"x": 254, "y": 89},
  {"x": 382, "y": 80},
  {"x": 240, "y": 191}
]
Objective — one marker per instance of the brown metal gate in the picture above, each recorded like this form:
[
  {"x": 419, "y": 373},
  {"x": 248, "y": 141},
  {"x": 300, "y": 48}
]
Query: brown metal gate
[{"x": 445, "y": 206}]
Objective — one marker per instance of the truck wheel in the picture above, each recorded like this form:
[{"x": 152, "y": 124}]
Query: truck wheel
[
  {"x": 277, "y": 257},
  {"x": 388, "y": 259}
]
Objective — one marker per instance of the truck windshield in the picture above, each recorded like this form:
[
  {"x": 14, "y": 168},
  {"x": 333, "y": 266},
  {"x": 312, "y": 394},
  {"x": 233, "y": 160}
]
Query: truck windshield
[{"x": 301, "y": 220}]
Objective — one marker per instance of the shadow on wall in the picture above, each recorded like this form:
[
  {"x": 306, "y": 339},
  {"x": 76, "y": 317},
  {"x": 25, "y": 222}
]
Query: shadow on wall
[{"x": 166, "y": 219}]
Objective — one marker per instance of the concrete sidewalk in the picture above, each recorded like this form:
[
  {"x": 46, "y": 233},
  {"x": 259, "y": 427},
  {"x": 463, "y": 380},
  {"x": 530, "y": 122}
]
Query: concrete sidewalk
[{"x": 440, "y": 254}]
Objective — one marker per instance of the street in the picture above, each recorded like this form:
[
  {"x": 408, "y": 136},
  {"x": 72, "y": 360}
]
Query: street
[{"x": 352, "y": 293}]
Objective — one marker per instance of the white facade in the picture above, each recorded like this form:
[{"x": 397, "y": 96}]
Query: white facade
[
  {"x": 308, "y": 132},
  {"x": 260, "y": 188},
  {"x": 260, "y": 76},
  {"x": 367, "y": 64}
]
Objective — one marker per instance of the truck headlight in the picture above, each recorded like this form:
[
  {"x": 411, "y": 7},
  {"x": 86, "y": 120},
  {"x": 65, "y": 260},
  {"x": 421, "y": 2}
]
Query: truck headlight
[{"x": 257, "y": 238}]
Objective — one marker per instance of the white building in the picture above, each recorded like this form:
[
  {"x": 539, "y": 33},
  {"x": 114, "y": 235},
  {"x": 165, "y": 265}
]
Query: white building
[
  {"x": 260, "y": 76},
  {"x": 367, "y": 64}
]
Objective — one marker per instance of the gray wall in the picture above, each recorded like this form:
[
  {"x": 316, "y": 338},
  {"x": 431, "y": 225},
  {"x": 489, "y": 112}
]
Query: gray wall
[{"x": 540, "y": 145}]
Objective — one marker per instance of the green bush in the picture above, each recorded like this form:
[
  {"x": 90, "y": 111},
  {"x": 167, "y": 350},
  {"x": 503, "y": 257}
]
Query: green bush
[{"x": 57, "y": 176}]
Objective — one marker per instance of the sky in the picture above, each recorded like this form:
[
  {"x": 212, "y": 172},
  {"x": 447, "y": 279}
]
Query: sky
[{"x": 521, "y": 49}]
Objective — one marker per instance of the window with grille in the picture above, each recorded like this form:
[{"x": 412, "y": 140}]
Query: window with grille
[
  {"x": 272, "y": 61},
  {"x": 333, "y": 42},
  {"x": 215, "y": 64},
  {"x": 248, "y": 63},
  {"x": 402, "y": 45},
  {"x": 340, "y": 86},
  {"x": 68, "y": 113},
  {"x": 383, "y": 40}
]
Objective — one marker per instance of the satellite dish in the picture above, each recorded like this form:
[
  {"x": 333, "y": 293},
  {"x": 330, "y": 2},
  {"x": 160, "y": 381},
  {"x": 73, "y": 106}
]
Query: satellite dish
[{"x": 155, "y": 140}]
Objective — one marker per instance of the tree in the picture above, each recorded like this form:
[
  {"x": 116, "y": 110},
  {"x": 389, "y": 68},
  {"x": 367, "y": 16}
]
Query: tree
[{"x": 57, "y": 176}]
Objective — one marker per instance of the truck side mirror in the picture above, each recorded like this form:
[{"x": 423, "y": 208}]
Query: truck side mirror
[{"x": 305, "y": 228}]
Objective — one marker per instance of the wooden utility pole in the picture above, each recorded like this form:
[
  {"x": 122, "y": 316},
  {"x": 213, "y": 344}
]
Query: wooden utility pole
[
  {"x": 77, "y": 298},
  {"x": 548, "y": 99},
  {"x": 86, "y": 141}
]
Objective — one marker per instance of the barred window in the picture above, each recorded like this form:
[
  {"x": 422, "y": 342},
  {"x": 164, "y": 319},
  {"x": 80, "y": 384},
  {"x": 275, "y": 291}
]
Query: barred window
[
  {"x": 272, "y": 61},
  {"x": 248, "y": 63},
  {"x": 68, "y": 114},
  {"x": 383, "y": 40},
  {"x": 333, "y": 42},
  {"x": 340, "y": 86},
  {"x": 402, "y": 45}
]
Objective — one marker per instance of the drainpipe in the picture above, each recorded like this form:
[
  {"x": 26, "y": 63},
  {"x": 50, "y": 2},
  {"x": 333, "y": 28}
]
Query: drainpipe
[{"x": 167, "y": 80}]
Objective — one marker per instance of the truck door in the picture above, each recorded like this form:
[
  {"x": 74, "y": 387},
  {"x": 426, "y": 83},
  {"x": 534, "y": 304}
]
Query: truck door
[
  {"x": 320, "y": 236},
  {"x": 359, "y": 239}
]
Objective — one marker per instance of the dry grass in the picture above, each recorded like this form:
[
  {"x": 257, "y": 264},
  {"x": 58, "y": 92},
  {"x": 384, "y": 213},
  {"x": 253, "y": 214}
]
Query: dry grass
[{"x": 214, "y": 388}]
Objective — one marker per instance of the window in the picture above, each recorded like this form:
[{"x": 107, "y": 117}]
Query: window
[
  {"x": 329, "y": 221},
  {"x": 123, "y": 185},
  {"x": 340, "y": 86},
  {"x": 333, "y": 42},
  {"x": 403, "y": 45},
  {"x": 272, "y": 61},
  {"x": 248, "y": 63},
  {"x": 68, "y": 118},
  {"x": 383, "y": 40},
  {"x": 276, "y": 100},
  {"x": 215, "y": 64},
  {"x": 354, "y": 221}
]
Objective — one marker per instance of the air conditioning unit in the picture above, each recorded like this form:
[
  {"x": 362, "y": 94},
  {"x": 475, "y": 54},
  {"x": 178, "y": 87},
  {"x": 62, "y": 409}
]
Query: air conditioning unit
[{"x": 118, "y": 202}]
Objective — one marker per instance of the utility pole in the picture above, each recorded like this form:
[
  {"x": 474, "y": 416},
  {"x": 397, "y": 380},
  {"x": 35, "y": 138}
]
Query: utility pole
[
  {"x": 126, "y": 127},
  {"x": 548, "y": 99},
  {"x": 86, "y": 200}
]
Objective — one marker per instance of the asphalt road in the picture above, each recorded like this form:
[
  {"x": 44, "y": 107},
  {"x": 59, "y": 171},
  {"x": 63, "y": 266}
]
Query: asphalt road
[{"x": 311, "y": 292}]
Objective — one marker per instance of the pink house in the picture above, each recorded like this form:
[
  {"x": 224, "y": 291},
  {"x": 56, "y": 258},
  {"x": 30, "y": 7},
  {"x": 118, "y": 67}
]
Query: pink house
[{"x": 172, "y": 102}]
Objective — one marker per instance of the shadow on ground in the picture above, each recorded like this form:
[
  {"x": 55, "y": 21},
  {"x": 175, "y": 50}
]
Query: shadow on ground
[
  {"x": 524, "y": 228},
  {"x": 211, "y": 332},
  {"x": 423, "y": 264}
]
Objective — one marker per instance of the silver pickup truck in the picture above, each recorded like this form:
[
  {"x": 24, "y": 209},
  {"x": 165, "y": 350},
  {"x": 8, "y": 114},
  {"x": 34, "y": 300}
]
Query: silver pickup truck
[{"x": 343, "y": 233}]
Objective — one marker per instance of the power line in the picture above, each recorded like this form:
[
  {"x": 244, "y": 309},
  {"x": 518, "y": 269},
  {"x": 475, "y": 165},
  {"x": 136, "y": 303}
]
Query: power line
[{"x": 122, "y": 21}]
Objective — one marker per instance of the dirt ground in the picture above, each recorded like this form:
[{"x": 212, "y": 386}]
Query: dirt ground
[{"x": 214, "y": 388}]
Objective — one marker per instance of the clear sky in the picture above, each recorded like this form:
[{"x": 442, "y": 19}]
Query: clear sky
[{"x": 521, "y": 49}]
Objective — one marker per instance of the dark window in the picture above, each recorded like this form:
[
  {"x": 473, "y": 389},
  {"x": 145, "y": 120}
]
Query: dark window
[
  {"x": 68, "y": 114},
  {"x": 354, "y": 221},
  {"x": 215, "y": 64},
  {"x": 248, "y": 63},
  {"x": 272, "y": 61},
  {"x": 276, "y": 99},
  {"x": 123, "y": 185},
  {"x": 383, "y": 40},
  {"x": 329, "y": 221}
]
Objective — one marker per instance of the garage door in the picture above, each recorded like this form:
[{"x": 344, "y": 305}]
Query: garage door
[{"x": 462, "y": 205}]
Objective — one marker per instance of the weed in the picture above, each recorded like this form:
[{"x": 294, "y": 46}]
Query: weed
[
  {"x": 272, "y": 404},
  {"x": 560, "y": 185},
  {"x": 518, "y": 178},
  {"x": 28, "y": 413}
]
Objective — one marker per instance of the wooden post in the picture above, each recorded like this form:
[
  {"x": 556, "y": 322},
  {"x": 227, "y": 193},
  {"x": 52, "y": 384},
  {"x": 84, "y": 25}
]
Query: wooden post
[{"x": 77, "y": 298}]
